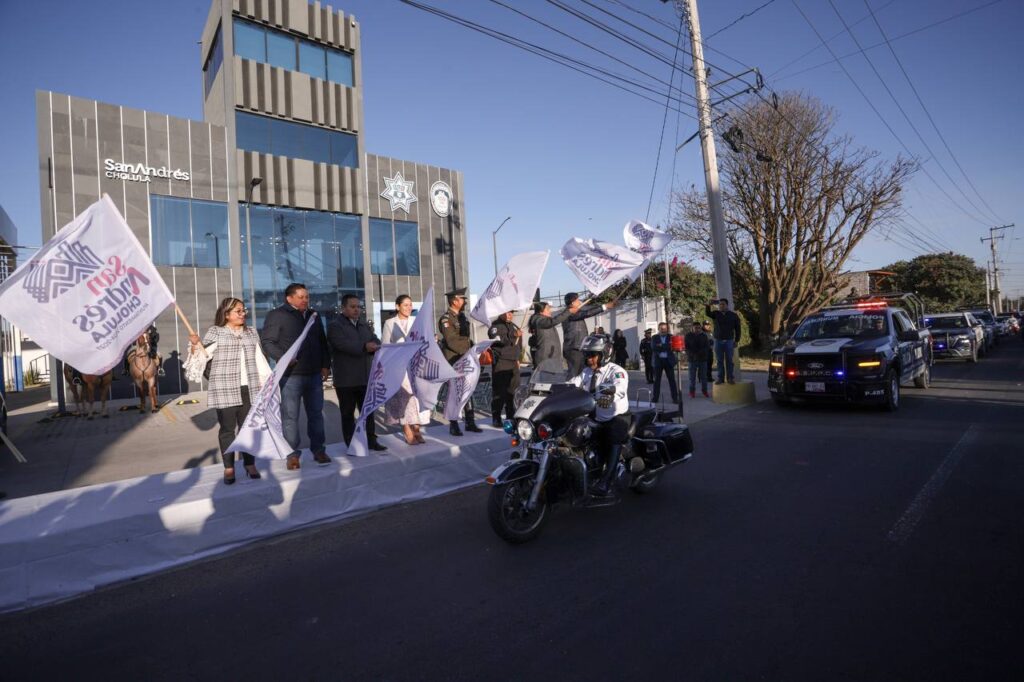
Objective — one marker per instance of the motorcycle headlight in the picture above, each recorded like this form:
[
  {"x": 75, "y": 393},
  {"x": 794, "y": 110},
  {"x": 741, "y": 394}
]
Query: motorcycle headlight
[{"x": 525, "y": 429}]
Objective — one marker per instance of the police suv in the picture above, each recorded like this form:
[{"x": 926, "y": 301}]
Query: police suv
[{"x": 859, "y": 351}]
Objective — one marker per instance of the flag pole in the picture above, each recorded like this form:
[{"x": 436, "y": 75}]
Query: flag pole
[{"x": 191, "y": 332}]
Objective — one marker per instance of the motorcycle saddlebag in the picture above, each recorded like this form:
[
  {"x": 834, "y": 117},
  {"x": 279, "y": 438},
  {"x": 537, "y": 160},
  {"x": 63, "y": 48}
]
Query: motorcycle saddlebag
[{"x": 676, "y": 438}]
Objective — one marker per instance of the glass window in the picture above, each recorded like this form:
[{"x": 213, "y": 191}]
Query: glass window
[
  {"x": 343, "y": 150},
  {"x": 288, "y": 139},
  {"x": 213, "y": 62},
  {"x": 318, "y": 144},
  {"x": 312, "y": 60},
  {"x": 172, "y": 239},
  {"x": 348, "y": 233},
  {"x": 210, "y": 234},
  {"x": 280, "y": 50},
  {"x": 382, "y": 247},
  {"x": 250, "y": 41},
  {"x": 252, "y": 132},
  {"x": 339, "y": 67},
  {"x": 407, "y": 248}
]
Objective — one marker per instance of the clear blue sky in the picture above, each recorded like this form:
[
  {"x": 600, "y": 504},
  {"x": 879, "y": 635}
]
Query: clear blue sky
[{"x": 563, "y": 154}]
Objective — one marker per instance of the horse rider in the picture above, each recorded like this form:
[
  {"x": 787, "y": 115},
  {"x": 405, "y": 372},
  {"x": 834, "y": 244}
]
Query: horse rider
[{"x": 154, "y": 338}]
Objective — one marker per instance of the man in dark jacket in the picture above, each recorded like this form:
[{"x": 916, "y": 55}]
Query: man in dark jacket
[
  {"x": 697, "y": 348},
  {"x": 303, "y": 382},
  {"x": 664, "y": 361},
  {"x": 505, "y": 370},
  {"x": 455, "y": 342},
  {"x": 645, "y": 354},
  {"x": 543, "y": 333},
  {"x": 353, "y": 344},
  {"x": 727, "y": 336},
  {"x": 574, "y": 330}
]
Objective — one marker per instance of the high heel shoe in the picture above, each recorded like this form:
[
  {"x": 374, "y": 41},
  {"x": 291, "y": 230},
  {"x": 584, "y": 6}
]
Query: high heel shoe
[
  {"x": 252, "y": 472},
  {"x": 418, "y": 435},
  {"x": 229, "y": 478},
  {"x": 409, "y": 433}
]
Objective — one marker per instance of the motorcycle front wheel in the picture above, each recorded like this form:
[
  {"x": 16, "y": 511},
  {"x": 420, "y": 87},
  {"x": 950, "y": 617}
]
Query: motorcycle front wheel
[{"x": 506, "y": 510}]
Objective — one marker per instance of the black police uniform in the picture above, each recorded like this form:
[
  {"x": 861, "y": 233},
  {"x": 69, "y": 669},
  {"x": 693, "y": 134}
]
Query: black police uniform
[
  {"x": 506, "y": 350},
  {"x": 455, "y": 342}
]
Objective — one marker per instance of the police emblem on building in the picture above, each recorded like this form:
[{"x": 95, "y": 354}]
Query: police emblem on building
[
  {"x": 399, "y": 192},
  {"x": 441, "y": 198}
]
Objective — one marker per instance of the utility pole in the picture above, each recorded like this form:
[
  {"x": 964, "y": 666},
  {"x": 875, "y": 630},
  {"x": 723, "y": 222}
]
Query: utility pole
[
  {"x": 719, "y": 245},
  {"x": 991, "y": 239},
  {"x": 988, "y": 285}
]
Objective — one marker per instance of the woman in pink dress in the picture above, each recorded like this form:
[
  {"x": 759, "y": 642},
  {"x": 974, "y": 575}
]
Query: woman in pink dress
[{"x": 403, "y": 407}]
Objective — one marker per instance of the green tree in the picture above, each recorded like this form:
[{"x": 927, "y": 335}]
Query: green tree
[
  {"x": 689, "y": 289},
  {"x": 944, "y": 281}
]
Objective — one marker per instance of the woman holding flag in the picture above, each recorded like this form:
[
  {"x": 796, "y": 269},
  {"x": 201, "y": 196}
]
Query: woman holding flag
[{"x": 403, "y": 407}]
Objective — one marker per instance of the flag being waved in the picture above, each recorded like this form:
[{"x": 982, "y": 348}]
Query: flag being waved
[
  {"x": 262, "y": 435},
  {"x": 428, "y": 369},
  {"x": 460, "y": 389},
  {"x": 512, "y": 288},
  {"x": 390, "y": 365},
  {"x": 598, "y": 265},
  {"x": 644, "y": 239},
  {"x": 88, "y": 293}
]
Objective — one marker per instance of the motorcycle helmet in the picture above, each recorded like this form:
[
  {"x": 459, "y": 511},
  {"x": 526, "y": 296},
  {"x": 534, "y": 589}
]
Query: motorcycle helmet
[
  {"x": 578, "y": 433},
  {"x": 597, "y": 343}
]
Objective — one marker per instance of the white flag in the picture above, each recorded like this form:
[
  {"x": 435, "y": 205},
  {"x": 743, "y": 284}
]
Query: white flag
[
  {"x": 512, "y": 288},
  {"x": 644, "y": 239},
  {"x": 261, "y": 434},
  {"x": 390, "y": 366},
  {"x": 598, "y": 265},
  {"x": 460, "y": 389},
  {"x": 428, "y": 368},
  {"x": 88, "y": 293}
]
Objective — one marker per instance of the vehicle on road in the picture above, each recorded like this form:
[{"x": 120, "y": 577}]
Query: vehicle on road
[
  {"x": 1008, "y": 324},
  {"x": 860, "y": 351},
  {"x": 956, "y": 336},
  {"x": 986, "y": 317},
  {"x": 555, "y": 460}
]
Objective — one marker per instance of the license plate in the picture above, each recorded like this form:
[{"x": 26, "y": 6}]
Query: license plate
[{"x": 814, "y": 386}]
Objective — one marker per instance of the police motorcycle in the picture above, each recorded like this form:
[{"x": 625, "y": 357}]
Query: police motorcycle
[{"x": 557, "y": 461}]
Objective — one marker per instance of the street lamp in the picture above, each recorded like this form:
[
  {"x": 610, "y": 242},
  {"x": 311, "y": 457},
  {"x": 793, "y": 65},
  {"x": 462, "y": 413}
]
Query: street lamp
[
  {"x": 494, "y": 242},
  {"x": 248, "y": 245}
]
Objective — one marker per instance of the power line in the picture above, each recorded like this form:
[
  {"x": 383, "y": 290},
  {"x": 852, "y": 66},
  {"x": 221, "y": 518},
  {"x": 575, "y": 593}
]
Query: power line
[
  {"x": 664, "y": 119},
  {"x": 927, "y": 113},
  {"x": 738, "y": 20}
]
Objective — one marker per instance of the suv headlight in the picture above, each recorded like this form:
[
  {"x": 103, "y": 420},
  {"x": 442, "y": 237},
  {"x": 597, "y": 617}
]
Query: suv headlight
[{"x": 525, "y": 430}]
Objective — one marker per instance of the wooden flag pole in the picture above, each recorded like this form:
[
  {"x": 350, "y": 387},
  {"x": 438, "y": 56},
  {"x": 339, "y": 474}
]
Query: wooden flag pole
[{"x": 191, "y": 332}]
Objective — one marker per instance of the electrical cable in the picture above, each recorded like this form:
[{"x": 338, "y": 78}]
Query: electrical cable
[
  {"x": 664, "y": 119},
  {"x": 738, "y": 20}
]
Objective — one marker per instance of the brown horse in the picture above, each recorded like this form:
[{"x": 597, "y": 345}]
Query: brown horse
[
  {"x": 94, "y": 387},
  {"x": 143, "y": 370}
]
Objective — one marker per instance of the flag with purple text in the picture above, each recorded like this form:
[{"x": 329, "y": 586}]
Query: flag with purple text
[
  {"x": 88, "y": 293},
  {"x": 390, "y": 365},
  {"x": 428, "y": 368},
  {"x": 646, "y": 240},
  {"x": 512, "y": 288},
  {"x": 460, "y": 389},
  {"x": 598, "y": 265}
]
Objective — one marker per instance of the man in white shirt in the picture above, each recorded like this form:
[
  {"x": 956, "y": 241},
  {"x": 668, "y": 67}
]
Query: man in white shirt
[{"x": 609, "y": 385}]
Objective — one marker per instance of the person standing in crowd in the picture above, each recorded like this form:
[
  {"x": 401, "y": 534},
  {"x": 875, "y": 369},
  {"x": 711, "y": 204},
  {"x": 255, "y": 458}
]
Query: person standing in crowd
[
  {"x": 574, "y": 330},
  {"x": 234, "y": 378},
  {"x": 403, "y": 407},
  {"x": 543, "y": 336},
  {"x": 619, "y": 348},
  {"x": 353, "y": 344},
  {"x": 455, "y": 342},
  {"x": 645, "y": 355},
  {"x": 303, "y": 381},
  {"x": 697, "y": 349},
  {"x": 727, "y": 337},
  {"x": 711, "y": 348},
  {"x": 664, "y": 361},
  {"x": 506, "y": 348}
]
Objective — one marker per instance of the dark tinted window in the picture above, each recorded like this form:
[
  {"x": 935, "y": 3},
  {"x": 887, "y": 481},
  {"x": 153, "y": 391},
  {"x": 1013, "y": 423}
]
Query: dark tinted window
[
  {"x": 210, "y": 234},
  {"x": 189, "y": 232},
  {"x": 213, "y": 62},
  {"x": 280, "y": 50},
  {"x": 250, "y": 41},
  {"x": 294, "y": 140},
  {"x": 339, "y": 67},
  {"x": 312, "y": 60},
  {"x": 382, "y": 247},
  {"x": 277, "y": 48},
  {"x": 407, "y": 248}
]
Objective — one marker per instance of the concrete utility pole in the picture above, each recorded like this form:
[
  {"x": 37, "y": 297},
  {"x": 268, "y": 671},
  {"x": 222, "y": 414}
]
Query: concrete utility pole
[
  {"x": 719, "y": 245},
  {"x": 991, "y": 239}
]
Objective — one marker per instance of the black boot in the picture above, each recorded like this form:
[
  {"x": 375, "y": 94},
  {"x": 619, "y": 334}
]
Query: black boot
[
  {"x": 453, "y": 428},
  {"x": 471, "y": 424},
  {"x": 605, "y": 486}
]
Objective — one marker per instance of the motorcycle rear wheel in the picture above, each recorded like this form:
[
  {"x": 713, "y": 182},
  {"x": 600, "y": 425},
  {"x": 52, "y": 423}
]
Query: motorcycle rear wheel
[{"x": 506, "y": 511}]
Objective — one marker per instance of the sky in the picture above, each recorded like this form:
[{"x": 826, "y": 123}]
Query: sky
[{"x": 563, "y": 154}]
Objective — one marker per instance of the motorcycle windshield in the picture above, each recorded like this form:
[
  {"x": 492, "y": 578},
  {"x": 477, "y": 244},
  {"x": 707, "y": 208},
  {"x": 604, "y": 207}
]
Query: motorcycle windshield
[{"x": 548, "y": 372}]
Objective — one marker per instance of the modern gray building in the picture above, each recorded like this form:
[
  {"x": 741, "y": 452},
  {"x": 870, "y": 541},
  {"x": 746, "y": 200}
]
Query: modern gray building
[{"x": 275, "y": 181}]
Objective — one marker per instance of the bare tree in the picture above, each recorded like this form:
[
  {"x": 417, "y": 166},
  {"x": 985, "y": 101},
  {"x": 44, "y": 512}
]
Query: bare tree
[{"x": 797, "y": 200}]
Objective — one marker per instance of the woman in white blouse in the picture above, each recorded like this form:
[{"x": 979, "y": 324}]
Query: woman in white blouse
[{"x": 403, "y": 407}]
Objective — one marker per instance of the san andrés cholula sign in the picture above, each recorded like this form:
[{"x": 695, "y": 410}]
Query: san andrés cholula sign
[{"x": 140, "y": 172}]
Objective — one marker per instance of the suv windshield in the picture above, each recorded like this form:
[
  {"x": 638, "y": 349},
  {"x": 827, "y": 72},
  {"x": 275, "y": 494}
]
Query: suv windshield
[
  {"x": 984, "y": 315},
  {"x": 947, "y": 322},
  {"x": 830, "y": 324}
]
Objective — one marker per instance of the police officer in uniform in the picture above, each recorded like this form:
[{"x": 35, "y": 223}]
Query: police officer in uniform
[
  {"x": 455, "y": 342},
  {"x": 507, "y": 347}
]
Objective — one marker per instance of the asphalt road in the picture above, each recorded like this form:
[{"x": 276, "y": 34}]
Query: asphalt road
[{"x": 798, "y": 544}]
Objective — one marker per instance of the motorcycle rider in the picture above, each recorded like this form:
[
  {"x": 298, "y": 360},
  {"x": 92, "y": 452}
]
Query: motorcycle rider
[{"x": 609, "y": 385}]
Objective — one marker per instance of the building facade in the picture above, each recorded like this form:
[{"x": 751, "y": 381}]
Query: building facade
[{"x": 274, "y": 185}]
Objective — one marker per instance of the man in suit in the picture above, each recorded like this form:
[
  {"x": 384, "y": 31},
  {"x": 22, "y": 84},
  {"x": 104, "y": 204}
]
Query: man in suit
[
  {"x": 353, "y": 344},
  {"x": 645, "y": 353},
  {"x": 303, "y": 382},
  {"x": 664, "y": 361},
  {"x": 544, "y": 333},
  {"x": 455, "y": 342},
  {"x": 574, "y": 330}
]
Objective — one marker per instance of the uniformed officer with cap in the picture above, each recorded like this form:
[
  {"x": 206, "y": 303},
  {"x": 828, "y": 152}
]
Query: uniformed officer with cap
[
  {"x": 455, "y": 342},
  {"x": 508, "y": 345}
]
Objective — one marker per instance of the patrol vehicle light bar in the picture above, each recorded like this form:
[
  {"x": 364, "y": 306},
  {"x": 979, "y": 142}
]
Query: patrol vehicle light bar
[{"x": 869, "y": 363}]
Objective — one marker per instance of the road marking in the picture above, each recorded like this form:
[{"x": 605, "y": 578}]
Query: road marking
[{"x": 905, "y": 526}]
